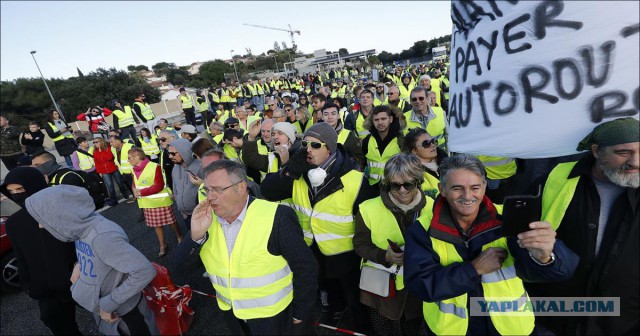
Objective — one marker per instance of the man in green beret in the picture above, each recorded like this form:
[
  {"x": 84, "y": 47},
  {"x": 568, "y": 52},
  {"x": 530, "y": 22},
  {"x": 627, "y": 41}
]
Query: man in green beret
[{"x": 594, "y": 205}]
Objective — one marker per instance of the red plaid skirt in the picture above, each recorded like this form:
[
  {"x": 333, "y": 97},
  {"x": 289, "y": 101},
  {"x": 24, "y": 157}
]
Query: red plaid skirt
[{"x": 156, "y": 217}]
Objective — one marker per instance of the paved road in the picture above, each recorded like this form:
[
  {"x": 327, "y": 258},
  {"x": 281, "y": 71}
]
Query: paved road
[{"x": 19, "y": 313}]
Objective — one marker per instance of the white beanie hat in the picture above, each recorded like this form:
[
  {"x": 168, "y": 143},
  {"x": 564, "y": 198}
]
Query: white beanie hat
[{"x": 286, "y": 128}]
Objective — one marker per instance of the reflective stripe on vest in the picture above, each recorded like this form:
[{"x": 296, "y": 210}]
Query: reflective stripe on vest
[
  {"x": 85, "y": 161},
  {"x": 331, "y": 219},
  {"x": 498, "y": 167},
  {"x": 376, "y": 160},
  {"x": 450, "y": 316},
  {"x": 362, "y": 132},
  {"x": 125, "y": 118},
  {"x": 383, "y": 225},
  {"x": 251, "y": 281},
  {"x": 59, "y": 137},
  {"x": 146, "y": 110},
  {"x": 146, "y": 179},
  {"x": 57, "y": 180},
  {"x": 557, "y": 193},
  {"x": 186, "y": 101}
]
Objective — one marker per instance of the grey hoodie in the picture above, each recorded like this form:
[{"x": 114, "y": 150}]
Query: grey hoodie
[
  {"x": 186, "y": 194},
  {"x": 112, "y": 272}
]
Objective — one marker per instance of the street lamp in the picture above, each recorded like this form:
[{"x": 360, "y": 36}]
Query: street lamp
[
  {"x": 47, "y": 86},
  {"x": 234, "y": 66}
]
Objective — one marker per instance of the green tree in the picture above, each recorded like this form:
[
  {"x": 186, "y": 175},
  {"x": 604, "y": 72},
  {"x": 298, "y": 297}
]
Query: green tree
[
  {"x": 343, "y": 51},
  {"x": 419, "y": 48},
  {"x": 212, "y": 72},
  {"x": 373, "y": 59},
  {"x": 276, "y": 46}
]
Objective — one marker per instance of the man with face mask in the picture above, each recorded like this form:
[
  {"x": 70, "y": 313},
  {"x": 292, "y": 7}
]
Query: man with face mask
[
  {"x": 53, "y": 172},
  {"x": 44, "y": 263},
  {"x": 594, "y": 206},
  {"x": 321, "y": 180}
]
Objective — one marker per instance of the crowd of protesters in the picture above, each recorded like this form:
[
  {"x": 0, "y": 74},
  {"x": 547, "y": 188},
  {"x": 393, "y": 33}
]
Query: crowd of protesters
[{"x": 339, "y": 189}]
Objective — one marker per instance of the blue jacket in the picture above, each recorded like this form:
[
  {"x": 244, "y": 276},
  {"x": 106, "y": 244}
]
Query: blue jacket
[{"x": 430, "y": 281}]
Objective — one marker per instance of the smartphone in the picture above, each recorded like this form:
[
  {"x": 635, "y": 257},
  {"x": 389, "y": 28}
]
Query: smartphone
[
  {"x": 519, "y": 211},
  {"x": 394, "y": 246}
]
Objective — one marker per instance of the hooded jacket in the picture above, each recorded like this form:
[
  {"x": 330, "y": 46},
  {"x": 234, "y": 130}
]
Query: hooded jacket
[
  {"x": 44, "y": 262},
  {"x": 186, "y": 194},
  {"x": 112, "y": 272}
]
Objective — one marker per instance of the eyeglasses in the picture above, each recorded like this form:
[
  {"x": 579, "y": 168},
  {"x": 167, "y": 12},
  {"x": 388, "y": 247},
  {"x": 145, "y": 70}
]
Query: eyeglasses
[
  {"x": 391, "y": 93},
  {"x": 415, "y": 99},
  {"x": 408, "y": 186},
  {"x": 313, "y": 144},
  {"x": 218, "y": 190},
  {"x": 173, "y": 153},
  {"x": 429, "y": 143},
  {"x": 162, "y": 139},
  {"x": 230, "y": 125},
  {"x": 96, "y": 142}
]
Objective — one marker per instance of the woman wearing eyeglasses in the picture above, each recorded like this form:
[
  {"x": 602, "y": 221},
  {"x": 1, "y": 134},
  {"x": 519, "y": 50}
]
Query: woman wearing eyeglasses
[
  {"x": 154, "y": 197},
  {"x": 417, "y": 141},
  {"x": 94, "y": 116},
  {"x": 106, "y": 167},
  {"x": 381, "y": 225}
]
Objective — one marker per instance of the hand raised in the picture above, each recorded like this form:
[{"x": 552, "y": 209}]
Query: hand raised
[
  {"x": 201, "y": 219},
  {"x": 539, "y": 241}
]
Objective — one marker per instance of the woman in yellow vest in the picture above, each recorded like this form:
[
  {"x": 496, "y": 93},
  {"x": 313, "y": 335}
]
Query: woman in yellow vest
[
  {"x": 303, "y": 120},
  {"x": 83, "y": 156},
  {"x": 154, "y": 197},
  {"x": 58, "y": 130},
  {"x": 383, "y": 219},
  {"x": 417, "y": 141},
  {"x": 149, "y": 144}
]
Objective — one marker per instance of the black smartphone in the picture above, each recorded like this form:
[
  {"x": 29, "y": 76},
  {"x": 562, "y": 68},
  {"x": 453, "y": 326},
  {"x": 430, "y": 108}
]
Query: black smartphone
[
  {"x": 394, "y": 246},
  {"x": 519, "y": 211}
]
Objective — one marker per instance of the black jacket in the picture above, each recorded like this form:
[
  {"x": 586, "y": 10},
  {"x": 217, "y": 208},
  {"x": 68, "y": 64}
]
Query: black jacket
[
  {"x": 35, "y": 144},
  {"x": 614, "y": 272},
  {"x": 44, "y": 263},
  {"x": 64, "y": 147}
]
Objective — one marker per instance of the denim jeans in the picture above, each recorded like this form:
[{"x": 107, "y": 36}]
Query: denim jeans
[
  {"x": 68, "y": 161},
  {"x": 109, "y": 181}
]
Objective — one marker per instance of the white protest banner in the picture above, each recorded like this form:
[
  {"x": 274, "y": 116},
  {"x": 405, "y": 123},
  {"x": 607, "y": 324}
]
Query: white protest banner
[{"x": 530, "y": 79}]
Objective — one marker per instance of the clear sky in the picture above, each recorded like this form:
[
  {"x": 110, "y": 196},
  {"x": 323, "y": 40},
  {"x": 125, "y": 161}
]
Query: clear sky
[{"x": 93, "y": 34}]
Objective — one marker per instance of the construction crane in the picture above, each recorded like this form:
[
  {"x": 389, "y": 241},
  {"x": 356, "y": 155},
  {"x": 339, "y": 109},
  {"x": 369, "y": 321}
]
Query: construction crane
[{"x": 290, "y": 31}]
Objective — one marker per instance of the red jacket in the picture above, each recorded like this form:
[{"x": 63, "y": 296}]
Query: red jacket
[
  {"x": 104, "y": 161},
  {"x": 94, "y": 121}
]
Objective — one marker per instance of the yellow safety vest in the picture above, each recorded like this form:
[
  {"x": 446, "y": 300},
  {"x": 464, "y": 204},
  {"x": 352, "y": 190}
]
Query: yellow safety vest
[
  {"x": 451, "y": 316},
  {"x": 59, "y": 137},
  {"x": 204, "y": 105},
  {"x": 343, "y": 135},
  {"x": 376, "y": 160},
  {"x": 230, "y": 153},
  {"x": 558, "y": 193},
  {"x": 151, "y": 147},
  {"x": 259, "y": 88},
  {"x": 159, "y": 200},
  {"x": 430, "y": 185},
  {"x": 331, "y": 221},
  {"x": 146, "y": 110},
  {"x": 251, "y": 281},
  {"x": 124, "y": 166},
  {"x": 125, "y": 118},
  {"x": 186, "y": 102},
  {"x": 298, "y": 126},
  {"x": 405, "y": 92},
  {"x": 253, "y": 89},
  {"x": 166, "y": 129},
  {"x": 383, "y": 226},
  {"x": 435, "y": 127},
  {"x": 401, "y": 104},
  {"x": 225, "y": 96},
  {"x": 238, "y": 92},
  {"x": 498, "y": 167},
  {"x": 274, "y": 163},
  {"x": 85, "y": 161},
  {"x": 218, "y": 138},
  {"x": 435, "y": 87},
  {"x": 362, "y": 132}
]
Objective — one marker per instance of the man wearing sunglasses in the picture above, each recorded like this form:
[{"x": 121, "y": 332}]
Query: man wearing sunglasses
[
  {"x": 165, "y": 138},
  {"x": 393, "y": 98},
  {"x": 326, "y": 190},
  {"x": 422, "y": 115}
]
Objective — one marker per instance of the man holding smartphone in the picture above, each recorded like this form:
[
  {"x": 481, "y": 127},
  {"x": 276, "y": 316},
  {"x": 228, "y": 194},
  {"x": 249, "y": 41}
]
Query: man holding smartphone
[
  {"x": 459, "y": 253},
  {"x": 593, "y": 205}
]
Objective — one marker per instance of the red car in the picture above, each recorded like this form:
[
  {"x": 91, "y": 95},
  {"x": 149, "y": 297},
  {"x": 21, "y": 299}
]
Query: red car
[{"x": 9, "y": 282}]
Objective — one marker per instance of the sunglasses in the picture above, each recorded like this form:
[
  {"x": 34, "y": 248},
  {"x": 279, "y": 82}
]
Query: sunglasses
[
  {"x": 313, "y": 144},
  {"x": 230, "y": 125},
  {"x": 162, "y": 139},
  {"x": 429, "y": 143},
  {"x": 408, "y": 186},
  {"x": 173, "y": 153},
  {"x": 415, "y": 99}
]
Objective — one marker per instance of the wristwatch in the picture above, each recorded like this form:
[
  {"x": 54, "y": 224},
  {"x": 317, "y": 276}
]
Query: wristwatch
[{"x": 553, "y": 258}]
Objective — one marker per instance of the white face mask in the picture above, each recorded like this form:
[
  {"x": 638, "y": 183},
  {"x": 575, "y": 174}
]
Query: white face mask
[{"x": 316, "y": 176}]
